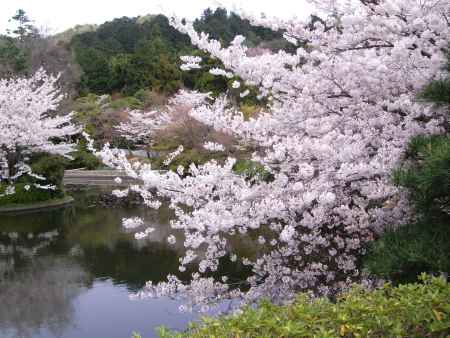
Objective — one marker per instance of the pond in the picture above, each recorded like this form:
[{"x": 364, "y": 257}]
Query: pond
[{"x": 69, "y": 272}]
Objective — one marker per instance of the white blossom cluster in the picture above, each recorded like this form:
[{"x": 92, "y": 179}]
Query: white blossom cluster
[
  {"x": 213, "y": 146},
  {"x": 27, "y": 124},
  {"x": 142, "y": 125},
  {"x": 342, "y": 112},
  {"x": 221, "y": 72},
  {"x": 190, "y": 62},
  {"x": 190, "y": 98},
  {"x": 173, "y": 154}
]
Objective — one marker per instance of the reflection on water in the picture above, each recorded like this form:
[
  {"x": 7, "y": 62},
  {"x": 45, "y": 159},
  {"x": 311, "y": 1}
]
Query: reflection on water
[
  {"x": 40, "y": 295},
  {"x": 68, "y": 272}
]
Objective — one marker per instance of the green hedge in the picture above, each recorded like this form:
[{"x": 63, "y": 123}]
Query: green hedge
[
  {"x": 252, "y": 170},
  {"x": 32, "y": 195},
  {"x": 411, "y": 310},
  {"x": 49, "y": 166},
  {"x": 82, "y": 158}
]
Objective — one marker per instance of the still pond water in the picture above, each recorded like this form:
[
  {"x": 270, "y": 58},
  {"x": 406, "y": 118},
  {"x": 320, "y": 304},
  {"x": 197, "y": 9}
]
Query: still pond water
[{"x": 69, "y": 272}]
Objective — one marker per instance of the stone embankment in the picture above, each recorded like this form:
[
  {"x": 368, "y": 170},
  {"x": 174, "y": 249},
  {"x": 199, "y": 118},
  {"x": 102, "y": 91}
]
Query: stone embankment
[{"x": 98, "y": 178}]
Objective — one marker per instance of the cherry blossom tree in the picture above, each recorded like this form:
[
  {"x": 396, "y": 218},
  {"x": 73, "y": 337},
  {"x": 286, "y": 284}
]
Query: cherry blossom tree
[
  {"x": 27, "y": 125},
  {"x": 342, "y": 109},
  {"x": 142, "y": 126}
]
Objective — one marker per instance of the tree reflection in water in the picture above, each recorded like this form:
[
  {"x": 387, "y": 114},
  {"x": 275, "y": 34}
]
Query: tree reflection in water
[
  {"x": 49, "y": 259},
  {"x": 40, "y": 296}
]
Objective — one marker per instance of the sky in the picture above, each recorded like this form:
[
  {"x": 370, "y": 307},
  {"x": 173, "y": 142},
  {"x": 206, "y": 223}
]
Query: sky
[{"x": 59, "y": 15}]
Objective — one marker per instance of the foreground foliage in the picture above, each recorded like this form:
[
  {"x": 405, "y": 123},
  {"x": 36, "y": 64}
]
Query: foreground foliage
[{"x": 412, "y": 310}]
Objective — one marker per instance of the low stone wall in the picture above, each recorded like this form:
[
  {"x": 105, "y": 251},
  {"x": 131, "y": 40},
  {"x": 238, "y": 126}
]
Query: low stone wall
[
  {"x": 97, "y": 178},
  {"x": 54, "y": 203}
]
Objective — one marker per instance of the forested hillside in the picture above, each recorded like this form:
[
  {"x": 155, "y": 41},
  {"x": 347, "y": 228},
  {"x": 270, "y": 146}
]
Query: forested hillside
[{"x": 126, "y": 54}]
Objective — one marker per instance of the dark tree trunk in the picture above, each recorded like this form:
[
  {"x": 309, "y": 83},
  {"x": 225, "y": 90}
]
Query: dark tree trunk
[{"x": 12, "y": 158}]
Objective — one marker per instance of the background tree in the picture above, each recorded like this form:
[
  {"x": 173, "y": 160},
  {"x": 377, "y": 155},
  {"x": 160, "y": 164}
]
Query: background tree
[
  {"x": 27, "y": 124},
  {"x": 24, "y": 28}
]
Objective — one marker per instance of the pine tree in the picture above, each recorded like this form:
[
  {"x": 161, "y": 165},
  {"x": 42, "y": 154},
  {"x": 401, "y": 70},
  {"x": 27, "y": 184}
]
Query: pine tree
[{"x": 404, "y": 252}]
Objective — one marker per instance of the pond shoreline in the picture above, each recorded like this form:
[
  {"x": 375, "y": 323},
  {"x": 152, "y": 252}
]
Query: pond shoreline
[{"x": 50, "y": 204}]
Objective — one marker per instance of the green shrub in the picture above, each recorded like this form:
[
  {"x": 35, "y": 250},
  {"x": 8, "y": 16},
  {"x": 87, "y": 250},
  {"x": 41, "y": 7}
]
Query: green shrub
[
  {"x": 403, "y": 252},
  {"x": 32, "y": 195},
  {"x": 252, "y": 170},
  {"x": 126, "y": 102},
  {"x": 83, "y": 158},
  {"x": 51, "y": 167},
  {"x": 438, "y": 91},
  {"x": 166, "y": 144},
  {"x": 249, "y": 110},
  {"x": 411, "y": 310}
]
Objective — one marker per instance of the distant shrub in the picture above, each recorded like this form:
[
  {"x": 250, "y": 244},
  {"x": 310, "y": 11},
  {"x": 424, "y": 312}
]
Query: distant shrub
[
  {"x": 186, "y": 158},
  {"x": 126, "y": 102},
  {"x": 252, "y": 170},
  {"x": 51, "y": 167},
  {"x": 84, "y": 159},
  {"x": 150, "y": 99},
  {"x": 411, "y": 310},
  {"x": 24, "y": 196},
  {"x": 249, "y": 110}
]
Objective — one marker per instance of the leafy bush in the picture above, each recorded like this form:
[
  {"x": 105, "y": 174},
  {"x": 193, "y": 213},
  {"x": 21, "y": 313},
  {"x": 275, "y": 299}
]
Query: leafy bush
[
  {"x": 438, "y": 91},
  {"x": 126, "y": 102},
  {"x": 84, "y": 159},
  {"x": 252, "y": 170},
  {"x": 24, "y": 196},
  {"x": 51, "y": 167},
  {"x": 412, "y": 310},
  {"x": 249, "y": 110}
]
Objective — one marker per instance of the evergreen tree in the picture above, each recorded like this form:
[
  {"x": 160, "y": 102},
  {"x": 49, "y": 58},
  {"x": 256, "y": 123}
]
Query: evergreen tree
[
  {"x": 24, "y": 27},
  {"x": 404, "y": 252}
]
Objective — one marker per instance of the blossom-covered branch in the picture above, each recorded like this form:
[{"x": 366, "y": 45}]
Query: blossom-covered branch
[{"x": 343, "y": 109}]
